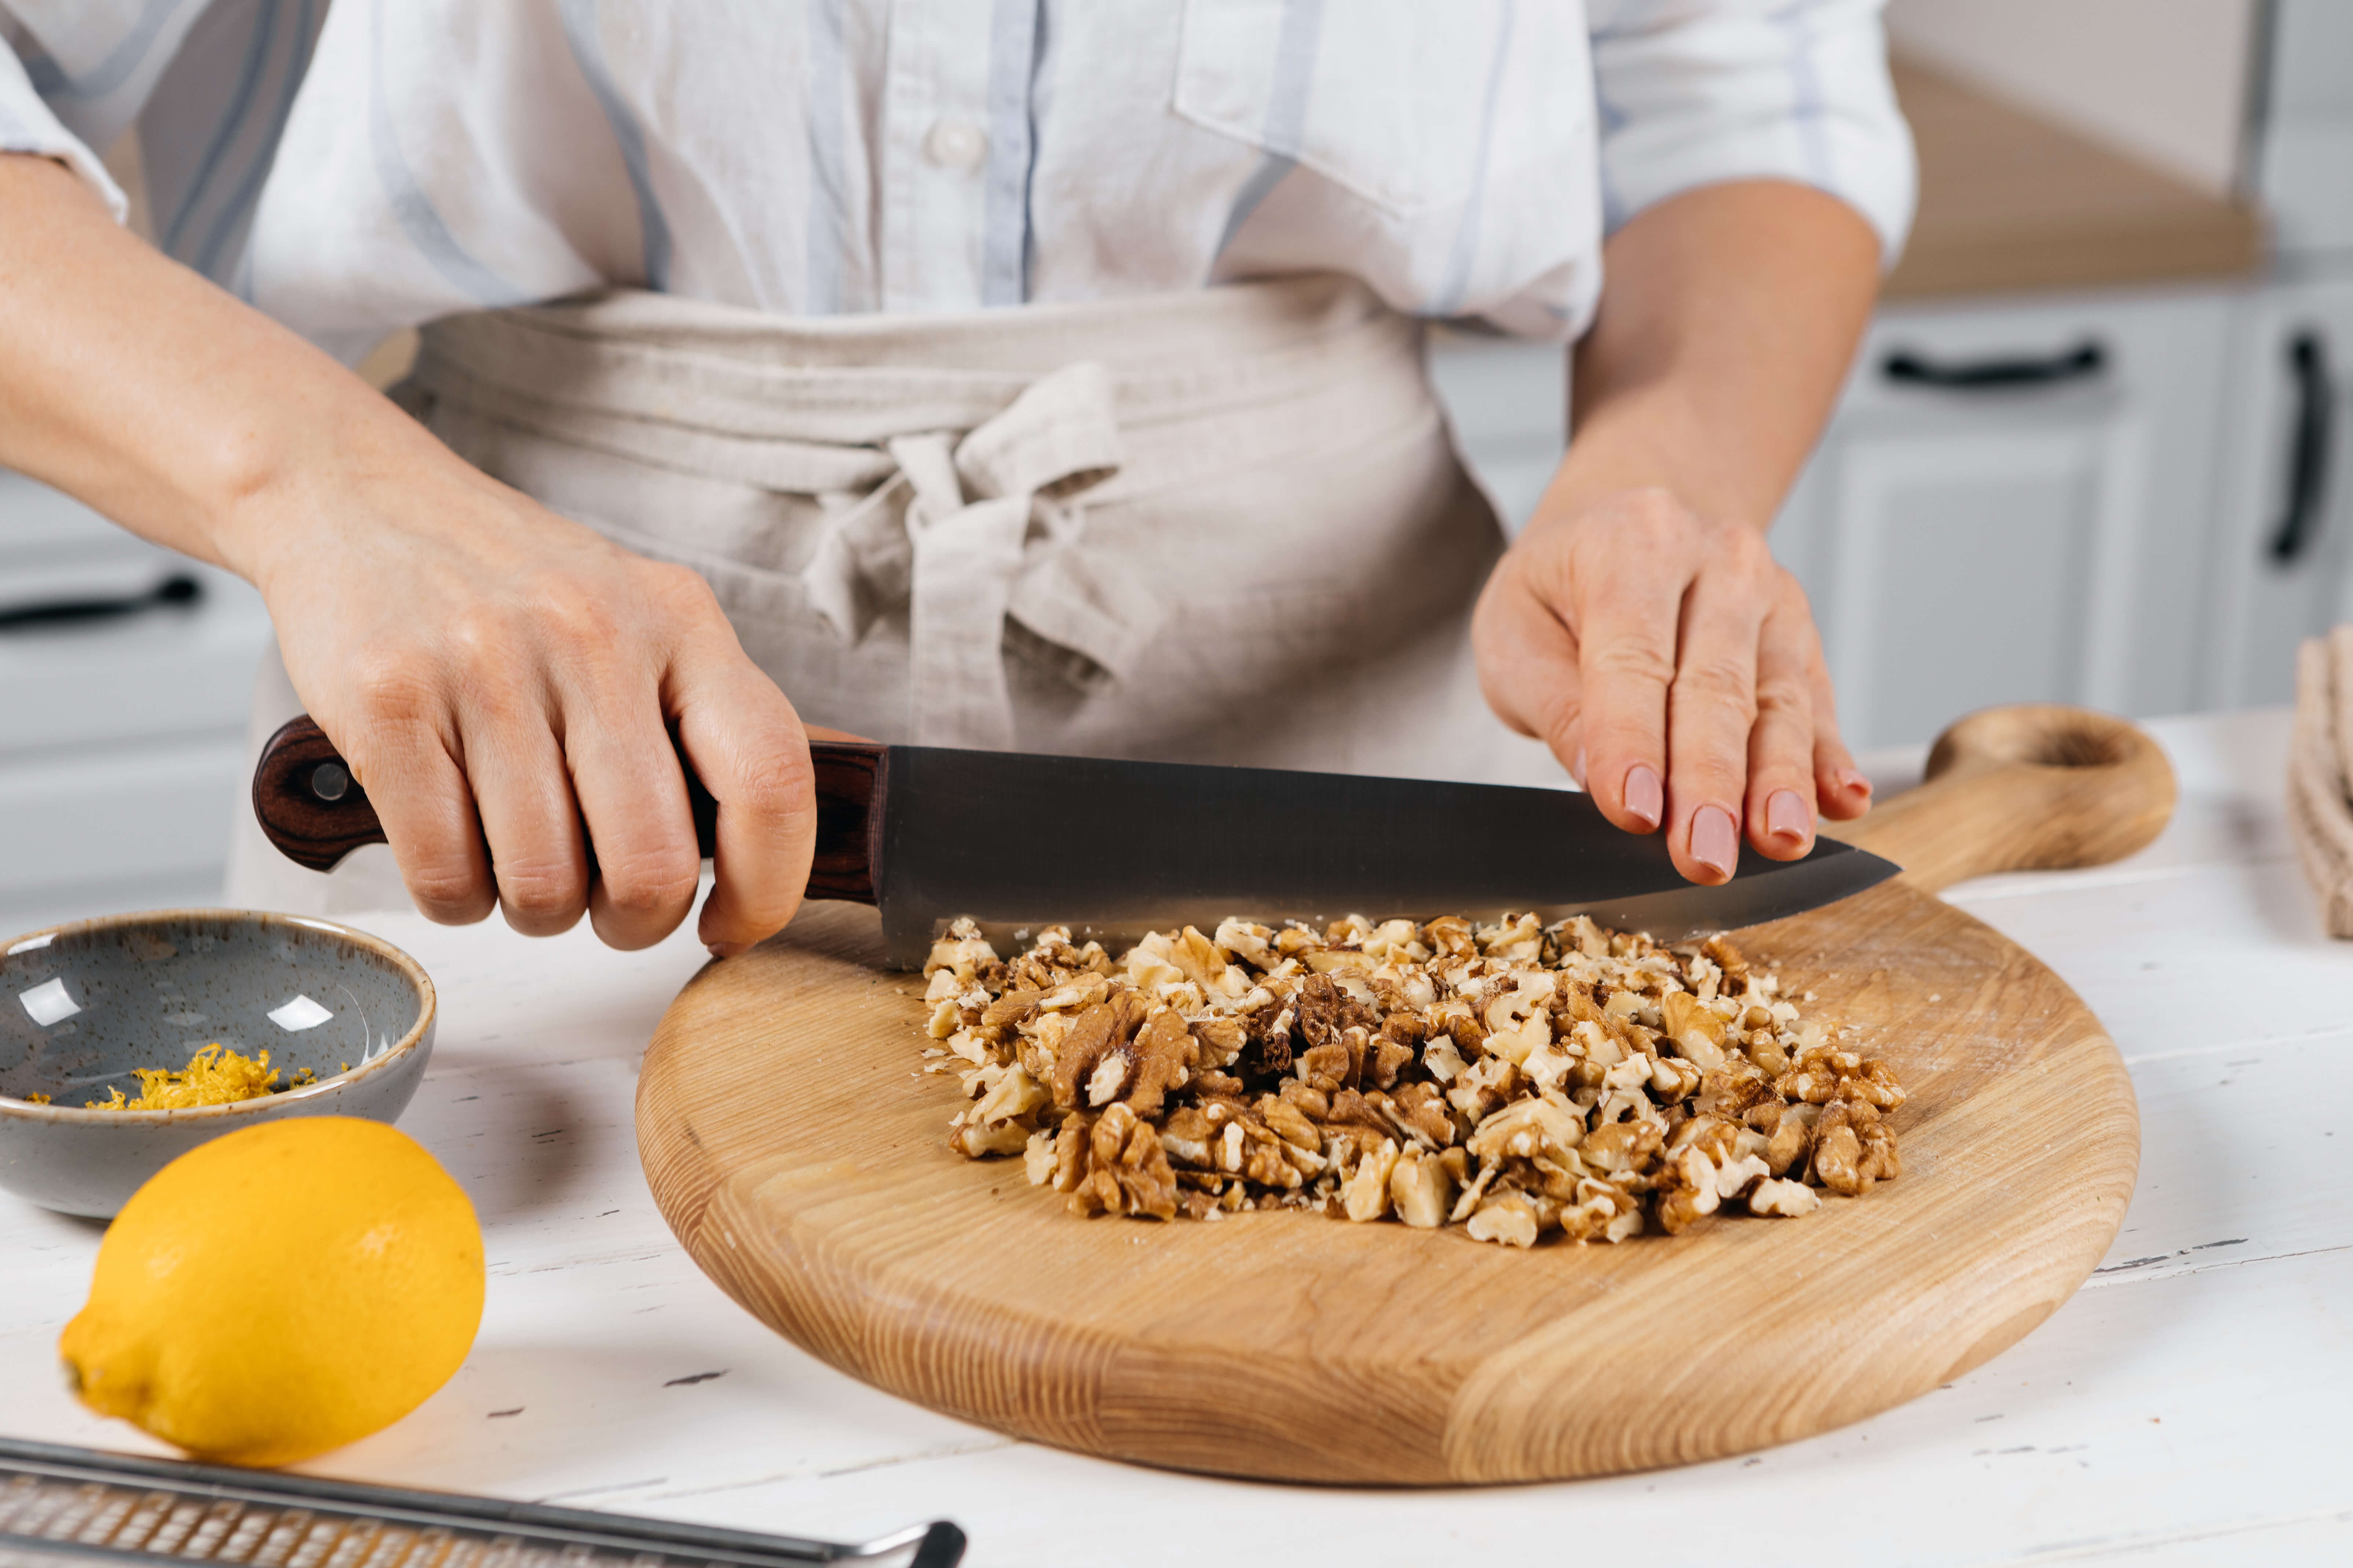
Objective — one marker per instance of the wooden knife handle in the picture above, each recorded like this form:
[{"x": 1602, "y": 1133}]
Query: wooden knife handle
[
  {"x": 315, "y": 812},
  {"x": 2034, "y": 786}
]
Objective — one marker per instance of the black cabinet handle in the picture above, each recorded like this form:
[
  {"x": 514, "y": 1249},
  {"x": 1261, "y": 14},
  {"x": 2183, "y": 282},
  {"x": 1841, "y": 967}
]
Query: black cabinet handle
[
  {"x": 2309, "y": 457},
  {"x": 2084, "y": 360},
  {"x": 178, "y": 589}
]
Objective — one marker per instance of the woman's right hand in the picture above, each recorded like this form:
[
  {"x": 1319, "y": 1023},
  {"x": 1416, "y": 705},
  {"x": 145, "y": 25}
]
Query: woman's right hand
[{"x": 505, "y": 684}]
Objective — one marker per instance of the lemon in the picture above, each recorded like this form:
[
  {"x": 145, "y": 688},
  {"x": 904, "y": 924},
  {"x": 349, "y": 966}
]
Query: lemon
[{"x": 280, "y": 1291}]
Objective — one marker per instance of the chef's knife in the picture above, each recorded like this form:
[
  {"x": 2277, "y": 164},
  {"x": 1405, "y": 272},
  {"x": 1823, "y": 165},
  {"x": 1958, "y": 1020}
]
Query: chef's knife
[{"x": 1113, "y": 849}]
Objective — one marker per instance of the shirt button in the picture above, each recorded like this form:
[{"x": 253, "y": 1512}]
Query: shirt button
[{"x": 956, "y": 144}]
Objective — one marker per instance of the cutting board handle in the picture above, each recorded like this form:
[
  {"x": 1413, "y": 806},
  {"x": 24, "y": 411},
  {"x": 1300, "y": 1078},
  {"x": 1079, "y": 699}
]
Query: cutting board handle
[
  {"x": 315, "y": 812},
  {"x": 2034, "y": 786}
]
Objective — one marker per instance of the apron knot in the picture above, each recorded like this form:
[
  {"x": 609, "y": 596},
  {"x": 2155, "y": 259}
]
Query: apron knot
[{"x": 950, "y": 535}]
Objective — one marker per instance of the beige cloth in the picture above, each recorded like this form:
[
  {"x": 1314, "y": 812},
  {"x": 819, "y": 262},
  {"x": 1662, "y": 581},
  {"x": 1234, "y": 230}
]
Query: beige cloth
[
  {"x": 1219, "y": 526},
  {"x": 2320, "y": 773}
]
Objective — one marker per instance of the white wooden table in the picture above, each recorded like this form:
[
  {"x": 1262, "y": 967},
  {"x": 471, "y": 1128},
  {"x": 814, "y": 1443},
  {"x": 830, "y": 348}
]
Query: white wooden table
[{"x": 2189, "y": 1405}]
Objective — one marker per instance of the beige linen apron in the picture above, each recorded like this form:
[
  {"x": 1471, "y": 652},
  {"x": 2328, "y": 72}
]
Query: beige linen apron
[{"x": 1219, "y": 526}]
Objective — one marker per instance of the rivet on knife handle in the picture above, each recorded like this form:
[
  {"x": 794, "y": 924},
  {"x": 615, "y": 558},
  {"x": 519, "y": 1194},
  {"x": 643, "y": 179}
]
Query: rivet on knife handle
[{"x": 315, "y": 812}]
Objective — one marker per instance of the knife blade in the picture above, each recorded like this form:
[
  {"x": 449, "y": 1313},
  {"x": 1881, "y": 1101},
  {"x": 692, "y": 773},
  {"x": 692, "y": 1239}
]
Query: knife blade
[{"x": 1114, "y": 848}]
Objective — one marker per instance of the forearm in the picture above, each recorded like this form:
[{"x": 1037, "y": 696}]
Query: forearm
[
  {"x": 1727, "y": 320},
  {"x": 133, "y": 383}
]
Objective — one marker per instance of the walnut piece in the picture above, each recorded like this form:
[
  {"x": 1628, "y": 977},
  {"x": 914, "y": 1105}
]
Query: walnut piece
[{"x": 1514, "y": 1079}]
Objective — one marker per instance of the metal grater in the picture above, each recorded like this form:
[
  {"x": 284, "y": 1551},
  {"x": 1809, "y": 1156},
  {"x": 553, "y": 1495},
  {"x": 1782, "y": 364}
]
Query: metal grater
[{"x": 76, "y": 1507}]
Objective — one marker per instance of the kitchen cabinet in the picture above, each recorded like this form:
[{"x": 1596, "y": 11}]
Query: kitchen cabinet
[
  {"x": 2302, "y": 140},
  {"x": 122, "y": 749},
  {"x": 2283, "y": 557},
  {"x": 2011, "y": 502}
]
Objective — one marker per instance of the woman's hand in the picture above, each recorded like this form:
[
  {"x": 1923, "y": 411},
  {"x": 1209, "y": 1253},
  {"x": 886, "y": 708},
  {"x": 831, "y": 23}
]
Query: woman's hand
[
  {"x": 1639, "y": 625},
  {"x": 506, "y": 683},
  {"x": 1672, "y": 666}
]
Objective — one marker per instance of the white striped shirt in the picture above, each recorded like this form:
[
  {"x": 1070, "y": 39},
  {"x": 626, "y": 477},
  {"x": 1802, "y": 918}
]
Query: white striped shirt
[{"x": 355, "y": 169}]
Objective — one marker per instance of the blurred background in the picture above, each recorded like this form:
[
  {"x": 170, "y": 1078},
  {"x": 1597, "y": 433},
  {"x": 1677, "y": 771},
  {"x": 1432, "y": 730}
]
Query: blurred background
[{"x": 2092, "y": 450}]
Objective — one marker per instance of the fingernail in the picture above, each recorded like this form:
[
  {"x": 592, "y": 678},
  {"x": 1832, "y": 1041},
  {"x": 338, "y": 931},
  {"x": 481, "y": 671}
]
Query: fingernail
[
  {"x": 1716, "y": 839},
  {"x": 1785, "y": 816},
  {"x": 1852, "y": 782},
  {"x": 1646, "y": 798},
  {"x": 725, "y": 948},
  {"x": 1577, "y": 767}
]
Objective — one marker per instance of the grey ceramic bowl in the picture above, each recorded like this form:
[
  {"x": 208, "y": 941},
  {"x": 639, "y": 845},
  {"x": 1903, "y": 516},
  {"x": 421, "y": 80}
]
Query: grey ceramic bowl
[{"x": 83, "y": 1004}]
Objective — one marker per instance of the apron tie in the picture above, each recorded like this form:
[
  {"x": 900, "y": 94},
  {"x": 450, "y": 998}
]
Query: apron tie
[{"x": 950, "y": 535}]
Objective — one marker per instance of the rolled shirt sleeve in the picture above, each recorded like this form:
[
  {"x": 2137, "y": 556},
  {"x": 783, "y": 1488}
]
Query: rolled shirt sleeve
[
  {"x": 27, "y": 125},
  {"x": 1696, "y": 93}
]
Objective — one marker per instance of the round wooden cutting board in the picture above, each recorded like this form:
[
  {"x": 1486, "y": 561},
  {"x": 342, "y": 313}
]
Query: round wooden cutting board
[{"x": 799, "y": 1154}]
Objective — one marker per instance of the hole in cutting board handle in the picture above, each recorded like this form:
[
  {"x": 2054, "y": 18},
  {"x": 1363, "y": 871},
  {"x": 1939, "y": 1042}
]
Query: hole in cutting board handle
[
  {"x": 2039, "y": 735},
  {"x": 2034, "y": 786}
]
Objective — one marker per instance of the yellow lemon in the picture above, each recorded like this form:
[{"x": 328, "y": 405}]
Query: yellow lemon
[{"x": 280, "y": 1291}]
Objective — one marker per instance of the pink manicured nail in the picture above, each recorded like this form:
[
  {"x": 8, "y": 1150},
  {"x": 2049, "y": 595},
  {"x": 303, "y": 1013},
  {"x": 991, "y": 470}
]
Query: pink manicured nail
[
  {"x": 1646, "y": 798},
  {"x": 1785, "y": 816},
  {"x": 1577, "y": 767},
  {"x": 1852, "y": 782},
  {"x": 1716, "y": 839}
]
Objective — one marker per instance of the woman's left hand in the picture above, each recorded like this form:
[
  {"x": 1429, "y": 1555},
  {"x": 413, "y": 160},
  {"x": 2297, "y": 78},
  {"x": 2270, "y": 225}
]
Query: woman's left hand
[
  {"x": 1639, "y": 626},
  {"x": 1672, "y": 666}
]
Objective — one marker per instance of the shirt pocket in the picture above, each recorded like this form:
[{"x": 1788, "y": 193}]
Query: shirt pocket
[{"x": 1404, "y": 104}]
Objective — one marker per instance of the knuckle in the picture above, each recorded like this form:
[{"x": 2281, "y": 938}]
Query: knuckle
[
  {"x": 574, "y": 614},
  {"x": 1740, "y": 554},
  {"x": 1784, "y": 697},
  {"x": 393, "y": 685},
  {"x": 447, "y": 892},
  {"x": 1740, "y": 543},
  {"x": 1716, "y": 685},
  {"x": 1561, "y": 724},
  {"x": 1629, "y": 661},
  {"x": 1657, "y": 511},
  {"x": 540, "y": 886},
  {"x": 481, "y": 633},
  {"x": 773, "y": 784},
  {"x": 681, "y": 591},
  {"x": 652, "y": 883}
]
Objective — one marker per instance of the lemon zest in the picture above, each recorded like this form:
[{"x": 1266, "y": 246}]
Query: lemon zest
[{"x": 214, "y": 1075}]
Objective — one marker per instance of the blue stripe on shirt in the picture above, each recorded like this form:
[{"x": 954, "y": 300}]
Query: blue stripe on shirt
[
  {"x": 1013, "y": 27},
  {"x": 414, "y": 209},
  {"x": 1806, "y": 90},
  {"x": 1286, "y": 112},
  {"x": 1040, "y": 90},
  {"x": 247, "y": 194},
  {"x": 50, "y": 80},
  {"x": 829, "y": 202},
  {"x": 240, "y": 100},
  {"x": 1457, "y": 281},
  {"x": 588, "y": 53}
]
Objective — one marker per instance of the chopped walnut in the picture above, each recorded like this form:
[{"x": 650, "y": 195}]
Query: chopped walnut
[
  {"x": 1507, "y": 1217},
  {"x": 1789, "y": 1200},
  {"x": 1366, "y": 1193},
  {"x": 1421, "y": 1189},
  {"x": 1838, "y": 1152},
  {"x": 1514, "y": 1078}
]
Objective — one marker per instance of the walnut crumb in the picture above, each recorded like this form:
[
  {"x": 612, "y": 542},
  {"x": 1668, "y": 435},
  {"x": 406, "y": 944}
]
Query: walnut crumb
[{"x": 1517, "y": 1080}]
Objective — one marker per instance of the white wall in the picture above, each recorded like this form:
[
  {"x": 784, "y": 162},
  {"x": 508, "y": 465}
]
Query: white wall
[{"x": 2166, "y": 80}]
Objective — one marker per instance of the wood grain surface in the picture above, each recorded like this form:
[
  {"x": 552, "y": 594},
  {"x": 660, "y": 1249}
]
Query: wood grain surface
[{"x": 794, "y": 1148}]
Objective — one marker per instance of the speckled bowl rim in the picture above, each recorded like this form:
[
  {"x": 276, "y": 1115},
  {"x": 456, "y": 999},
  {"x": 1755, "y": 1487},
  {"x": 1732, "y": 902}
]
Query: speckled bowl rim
[{"x": 260, "y": 1105}]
